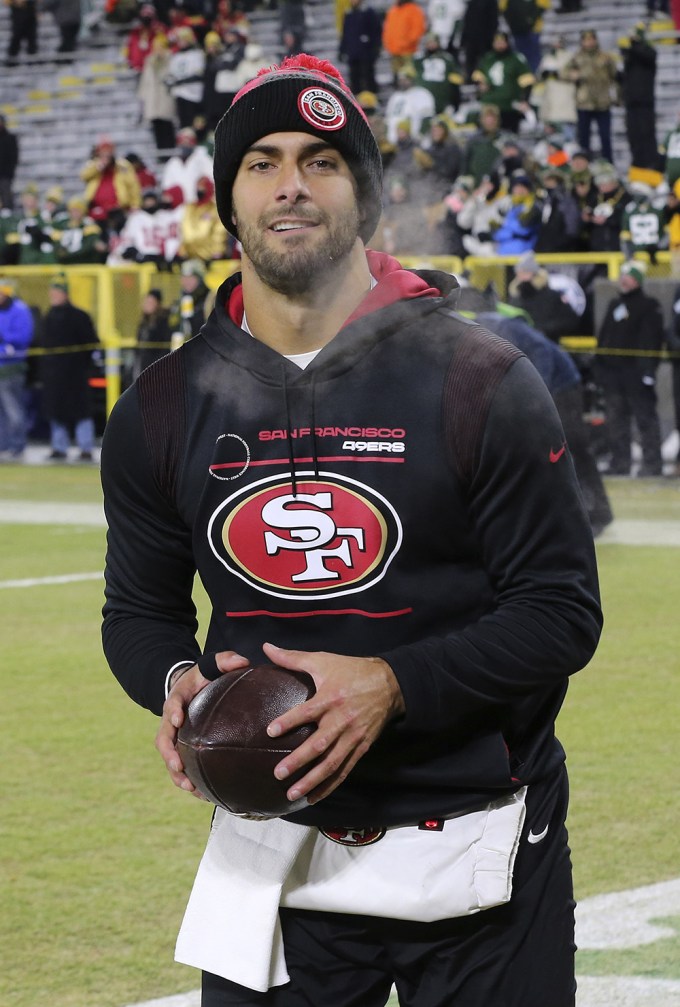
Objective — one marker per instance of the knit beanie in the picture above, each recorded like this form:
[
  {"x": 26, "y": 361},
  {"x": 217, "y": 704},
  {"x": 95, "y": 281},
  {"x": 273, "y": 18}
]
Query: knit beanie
[
  {"x": 302, "y": 95},
  {"x": 634, "y": 268}
]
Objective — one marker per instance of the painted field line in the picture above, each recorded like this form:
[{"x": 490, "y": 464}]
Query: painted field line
[
  {"x": 30, "y": 512},
  {"x": 66, "y": 578},
  {"x": 615, "y": 920}
]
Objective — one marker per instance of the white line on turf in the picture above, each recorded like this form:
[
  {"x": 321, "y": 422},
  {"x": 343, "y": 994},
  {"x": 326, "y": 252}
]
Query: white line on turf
[
  {"x": 30, "y": 512},
  {"x": 615, "y": 920},
  {"x": 66, "y": 578}
]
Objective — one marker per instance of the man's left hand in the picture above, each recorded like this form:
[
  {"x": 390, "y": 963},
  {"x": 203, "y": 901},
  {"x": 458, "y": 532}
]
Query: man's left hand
[{"x": 355, "y": 698}]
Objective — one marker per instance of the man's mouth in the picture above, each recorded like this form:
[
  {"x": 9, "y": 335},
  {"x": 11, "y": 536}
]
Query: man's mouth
[{"x": 291, "y": 225}]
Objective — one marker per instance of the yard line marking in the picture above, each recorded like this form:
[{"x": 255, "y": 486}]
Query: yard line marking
[
  {"x": 66, "y": 578},
  {"x": 30, "y": 512}
]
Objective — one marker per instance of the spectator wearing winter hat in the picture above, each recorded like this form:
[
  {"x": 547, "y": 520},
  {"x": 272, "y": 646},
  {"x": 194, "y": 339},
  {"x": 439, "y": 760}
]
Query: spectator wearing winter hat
[
  {"x": 504, "y": 79},
  {"x": 79, "y": 239},
  {"x": 439, "y": 158},
  {"x": 184, "y": 168},
  {"x": 607, "y": 214},
  {"x": 111, "y": 186},
  {"x": 408, "y": 102},
  {"x": 633, "y": 322},
  {"x": 438, "y": 71},
  {"x": 518, "y": 231},
  {"x": 142, "y": 239},
  {"x": 483, "y": 150},
  {"x": 548, "y": 310},
  {"x": 187, "y": 313},
  {"x": 184, "y": 79},
  {"x": 16, "y": 334},
  {"x": 29, "y": 242},
  {"x": 594, "y": 72},
  {"x": 158, "y": 105}
]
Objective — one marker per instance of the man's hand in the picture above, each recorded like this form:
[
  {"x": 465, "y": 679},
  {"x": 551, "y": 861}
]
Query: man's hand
[
  {"x": 187, "y": 685},
  {"x": 354, "y": 700}
]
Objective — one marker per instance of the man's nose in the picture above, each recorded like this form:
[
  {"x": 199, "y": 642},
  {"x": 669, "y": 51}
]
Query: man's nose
[{"x": 291, "y": 184}]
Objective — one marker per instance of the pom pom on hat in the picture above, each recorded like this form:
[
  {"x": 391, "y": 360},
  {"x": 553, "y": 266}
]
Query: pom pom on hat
[{"x": 301, "y": 95}]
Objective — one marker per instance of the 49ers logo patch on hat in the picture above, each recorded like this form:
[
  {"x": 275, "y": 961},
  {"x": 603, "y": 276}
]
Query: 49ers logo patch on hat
[
  {"x": 321, "y": 109},
  {"x": 333, "y": 536}
]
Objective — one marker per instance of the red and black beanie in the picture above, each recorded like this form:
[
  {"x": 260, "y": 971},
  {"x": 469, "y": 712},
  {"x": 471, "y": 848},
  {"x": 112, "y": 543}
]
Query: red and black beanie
[{"x": 302, "y": 95}]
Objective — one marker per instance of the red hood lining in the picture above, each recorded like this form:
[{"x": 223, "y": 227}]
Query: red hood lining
[{"x": 394, "y": 283}]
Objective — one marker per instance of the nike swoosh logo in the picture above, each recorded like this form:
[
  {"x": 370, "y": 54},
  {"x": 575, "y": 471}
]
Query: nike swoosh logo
[
  {"x": 556, "y": 455},
  {"x": 533, "y": 838}
]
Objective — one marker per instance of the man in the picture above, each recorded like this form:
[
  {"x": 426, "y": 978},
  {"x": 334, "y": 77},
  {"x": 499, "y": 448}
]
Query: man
[
  {"x": 9, "y": 159},
  {"x": 483, "y": 150},
  {"x": 633, "y": 323},
  {"x": 439, "y": 593},
  {"x": 525, "y": 21},
  {"x": 187, "y": 314},
  {"x": 184, "y": 168},
  {"x": 31, "y": 244},
  {"x": 547, "y": 308},
  {"x": 638, "y": 78},
  {"x": 504, "y": 79},
  {"x": 185, "y": 75},
  {"x": 360, "y": 44},
  {"x": 64, "y": 375},
  {"x": 16, "y": 333},
  {"x": 438, "y": 71},
  {"x": 595, "y": 73},
  {"x": 403, "y": 28},
  {"x": 411, "y": 103},
  {"x": 79, "y": 239}
]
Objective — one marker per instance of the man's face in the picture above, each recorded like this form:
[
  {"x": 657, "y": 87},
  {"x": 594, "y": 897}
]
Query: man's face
[
  {"x": 589, "y": 42},
  {"x": 57, "y": 296},
  {"x": 500, "y": 44},
  {"x": 295, "y": 206},
  {"x": 627, "y": 283}
]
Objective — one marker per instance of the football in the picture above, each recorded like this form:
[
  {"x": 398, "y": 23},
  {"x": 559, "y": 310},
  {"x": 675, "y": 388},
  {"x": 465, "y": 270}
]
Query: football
[{"x": 224, "y": 745}]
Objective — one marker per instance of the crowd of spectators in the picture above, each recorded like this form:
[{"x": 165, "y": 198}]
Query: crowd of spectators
[{"x": 486, "y": 132}]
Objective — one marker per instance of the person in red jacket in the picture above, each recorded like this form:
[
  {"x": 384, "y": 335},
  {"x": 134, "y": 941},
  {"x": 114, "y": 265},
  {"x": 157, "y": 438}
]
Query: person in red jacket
[
  {"x": 138, "y": 44},
  {"x": 404, "y": 26}
]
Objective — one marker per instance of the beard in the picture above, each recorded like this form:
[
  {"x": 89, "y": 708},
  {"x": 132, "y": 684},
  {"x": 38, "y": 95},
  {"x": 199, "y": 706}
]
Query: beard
[{"x": 305, "y": 263}]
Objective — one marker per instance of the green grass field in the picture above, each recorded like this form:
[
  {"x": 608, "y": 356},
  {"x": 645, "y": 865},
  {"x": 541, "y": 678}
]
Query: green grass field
[{"x": 98, "y": 850}]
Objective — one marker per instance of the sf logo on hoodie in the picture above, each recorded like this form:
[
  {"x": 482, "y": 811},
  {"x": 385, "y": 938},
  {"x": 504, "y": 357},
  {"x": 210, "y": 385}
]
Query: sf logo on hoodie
[{"x": 330, "y": 536}]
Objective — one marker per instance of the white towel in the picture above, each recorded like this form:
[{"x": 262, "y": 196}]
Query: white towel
[{"x": 231, "y": 924}]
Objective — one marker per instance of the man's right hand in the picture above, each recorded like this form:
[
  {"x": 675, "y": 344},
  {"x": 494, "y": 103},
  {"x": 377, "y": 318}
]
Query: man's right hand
[{"x": 187, "y": 685}]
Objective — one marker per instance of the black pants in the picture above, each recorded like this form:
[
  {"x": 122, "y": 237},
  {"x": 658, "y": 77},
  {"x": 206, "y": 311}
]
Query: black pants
[
  {"x": 641, "y": 133},
  {"x": 517, "y": 955},
  {"x": 628, "y": 398},
  {"x": 24, "y": 29},
  {"x": 362, "y": 75}
]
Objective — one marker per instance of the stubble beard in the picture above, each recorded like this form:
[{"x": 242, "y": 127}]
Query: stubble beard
[{"x": 305, "y": 264}]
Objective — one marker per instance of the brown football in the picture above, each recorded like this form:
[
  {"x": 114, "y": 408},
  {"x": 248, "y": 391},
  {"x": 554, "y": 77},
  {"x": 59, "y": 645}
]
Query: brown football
[{"x": 224, "y": 745}]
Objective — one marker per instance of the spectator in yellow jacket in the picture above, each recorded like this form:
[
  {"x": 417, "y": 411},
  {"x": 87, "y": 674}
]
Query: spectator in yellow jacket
[
  {"x": 403, "y": 28},
  {"x": 202, "y": 236},
  {"x": 111, "y": 186}
]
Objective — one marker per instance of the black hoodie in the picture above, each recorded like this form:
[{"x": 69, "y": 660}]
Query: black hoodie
[{"x": 408, "y": 495}]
